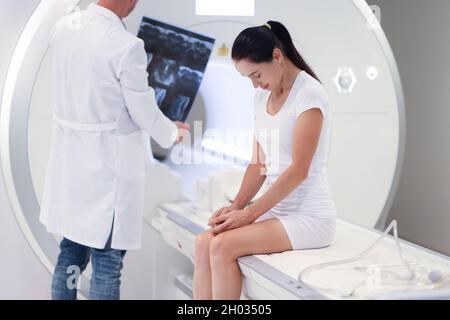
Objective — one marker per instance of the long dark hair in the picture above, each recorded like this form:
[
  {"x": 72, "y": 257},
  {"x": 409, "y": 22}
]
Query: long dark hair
[{"x": 257, "y": 44}]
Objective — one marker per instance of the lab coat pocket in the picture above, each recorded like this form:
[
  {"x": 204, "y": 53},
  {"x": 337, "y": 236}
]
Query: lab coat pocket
[{"x": 132, "y": 155}]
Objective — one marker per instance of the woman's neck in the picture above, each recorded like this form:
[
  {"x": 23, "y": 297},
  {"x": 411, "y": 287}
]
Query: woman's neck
[{"x": 289, "y": 76}]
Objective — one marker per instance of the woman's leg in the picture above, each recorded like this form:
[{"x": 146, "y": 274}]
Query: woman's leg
[
  {"x": 267, "y": 236},
  {"x": 202, "y": 269}
]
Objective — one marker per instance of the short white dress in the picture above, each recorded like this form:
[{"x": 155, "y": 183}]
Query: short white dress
[{"x": 308, "y": 213}]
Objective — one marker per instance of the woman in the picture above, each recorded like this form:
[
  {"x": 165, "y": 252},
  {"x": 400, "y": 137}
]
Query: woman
[{"x": 292, "y": 134}]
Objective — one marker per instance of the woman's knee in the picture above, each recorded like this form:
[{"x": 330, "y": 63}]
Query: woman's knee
[
  {"x": 202, "y": 242},
  {"x": 221, "y": 248}
]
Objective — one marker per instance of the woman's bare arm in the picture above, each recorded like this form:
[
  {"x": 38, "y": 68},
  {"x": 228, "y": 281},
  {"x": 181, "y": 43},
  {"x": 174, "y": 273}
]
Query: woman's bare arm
[
  {"x": 254, "y": 177},
  {"x": 306, "y": 137}
]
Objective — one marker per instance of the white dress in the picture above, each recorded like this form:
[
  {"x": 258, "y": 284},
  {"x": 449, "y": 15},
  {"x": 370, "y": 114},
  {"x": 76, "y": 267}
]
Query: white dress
[{"x": 308, "y": 213}]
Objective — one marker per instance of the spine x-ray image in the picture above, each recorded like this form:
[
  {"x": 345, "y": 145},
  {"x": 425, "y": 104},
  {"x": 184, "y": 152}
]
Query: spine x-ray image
[{"x": 177, "y": 59}]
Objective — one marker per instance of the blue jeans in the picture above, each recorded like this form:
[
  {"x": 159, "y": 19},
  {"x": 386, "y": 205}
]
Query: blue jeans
[{"x": 72, "y": 261}]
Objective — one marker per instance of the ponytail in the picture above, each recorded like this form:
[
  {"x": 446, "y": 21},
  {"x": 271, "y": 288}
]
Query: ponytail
[{"x": 257, "y": 45}]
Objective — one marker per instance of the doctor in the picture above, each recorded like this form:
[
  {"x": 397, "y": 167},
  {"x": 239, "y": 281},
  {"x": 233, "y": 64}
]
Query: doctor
[{"x": 103, "y": 114}]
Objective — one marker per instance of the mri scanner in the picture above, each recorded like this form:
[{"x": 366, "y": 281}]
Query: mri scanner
[{"x": 347, "y": 48}]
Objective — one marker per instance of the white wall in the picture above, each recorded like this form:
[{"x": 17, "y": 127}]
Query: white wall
[
  {"x": 22, "y": 276},
  {"x": 418, "y": 32}
]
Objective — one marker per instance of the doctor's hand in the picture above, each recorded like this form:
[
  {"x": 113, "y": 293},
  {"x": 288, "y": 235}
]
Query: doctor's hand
[
  {"x": 231, "y": 220},
  {"x": 183, "y": 129}
]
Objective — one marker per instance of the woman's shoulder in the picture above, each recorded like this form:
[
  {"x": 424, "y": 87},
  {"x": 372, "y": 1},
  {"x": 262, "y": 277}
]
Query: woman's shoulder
[
  {"x": 310, "y": 94},
  {"x": 311, "y": 89}
]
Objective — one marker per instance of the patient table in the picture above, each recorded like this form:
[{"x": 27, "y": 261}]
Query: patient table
[{"x": 379, "y": 275}]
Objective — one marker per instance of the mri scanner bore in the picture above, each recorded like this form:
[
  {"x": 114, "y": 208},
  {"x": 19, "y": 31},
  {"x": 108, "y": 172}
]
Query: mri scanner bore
[{"x": 367, "y": 141}]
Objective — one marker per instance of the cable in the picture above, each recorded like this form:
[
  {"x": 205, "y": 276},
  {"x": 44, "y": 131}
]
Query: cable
[{"x": 434, "y": 276}]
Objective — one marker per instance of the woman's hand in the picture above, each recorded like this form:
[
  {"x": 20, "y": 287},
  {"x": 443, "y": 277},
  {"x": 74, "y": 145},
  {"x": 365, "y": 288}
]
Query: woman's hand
[
  {"x": 220, "y": 212},
  {"x": 231, "y": 220}
]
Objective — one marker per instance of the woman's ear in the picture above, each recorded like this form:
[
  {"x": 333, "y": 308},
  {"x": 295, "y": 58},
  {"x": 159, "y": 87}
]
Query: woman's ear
[{"x": 277, "y": 55}]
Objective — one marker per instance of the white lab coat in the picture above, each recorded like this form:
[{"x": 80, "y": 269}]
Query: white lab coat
[{"x": 103, "y": 114}]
